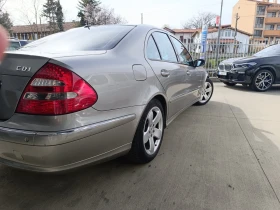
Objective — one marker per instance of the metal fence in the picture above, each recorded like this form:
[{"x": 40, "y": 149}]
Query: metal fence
[{"x": 227, "y": 49}]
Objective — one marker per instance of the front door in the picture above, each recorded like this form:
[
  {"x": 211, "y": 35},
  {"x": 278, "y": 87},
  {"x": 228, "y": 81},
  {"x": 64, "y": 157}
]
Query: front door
[
  {"x": 174, "y": 79},
  {"x": 194, "y": 74}
]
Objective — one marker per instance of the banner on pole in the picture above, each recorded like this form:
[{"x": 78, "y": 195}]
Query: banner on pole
[
  {"x": 204, "y": 34},
  {"x": 218, "y": 19}
]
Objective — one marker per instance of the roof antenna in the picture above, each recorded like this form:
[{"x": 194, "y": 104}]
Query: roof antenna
[{"x": 87, "y": 25}]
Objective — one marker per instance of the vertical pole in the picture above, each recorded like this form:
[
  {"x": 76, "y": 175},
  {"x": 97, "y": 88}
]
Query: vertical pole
[
  {"x": 235, "y": 33},
  {"x": 141, "y": 18},
  {"x": 219, "y": 33}
]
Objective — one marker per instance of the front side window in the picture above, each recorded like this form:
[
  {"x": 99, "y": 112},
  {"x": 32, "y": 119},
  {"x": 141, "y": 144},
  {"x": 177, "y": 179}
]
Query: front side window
[
  {"x": 165, "y": 47},
  {"x": 184, "y": 55},
  {"x": 152, "y": 51}
]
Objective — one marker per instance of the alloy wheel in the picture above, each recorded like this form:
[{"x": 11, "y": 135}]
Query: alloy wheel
[
  {"x": 206, "y": 92},
  {"x": 153, "y": 129},
  {"x": 264, "y": 80}
]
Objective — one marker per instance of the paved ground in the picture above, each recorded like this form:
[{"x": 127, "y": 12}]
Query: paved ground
[{"x": 222, "y": 156}]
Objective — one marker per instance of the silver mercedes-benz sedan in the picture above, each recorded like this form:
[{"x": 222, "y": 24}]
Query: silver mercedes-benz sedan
[{"x": 94, "y": 93}]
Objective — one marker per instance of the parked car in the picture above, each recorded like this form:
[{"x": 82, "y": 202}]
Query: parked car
[
  {"x": 94, "y": 93},
  {"x": 259, "y": 71},
  {"x": 14, "y": 44},
  {"x": 23, "y": 42}
]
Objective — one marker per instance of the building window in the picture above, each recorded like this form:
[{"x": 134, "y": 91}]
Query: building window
[
  {"x": 258, "y": 33},
  {"x": 278, "y": 27},
  {"x": 271, "y": 14},
  {"x": 260, "y": 10},
  {"x": 259, "y": 22},
  {"x": 181, "y": 38},
  {"x": 227, "y": 33},
  {"x": 269, "y": 27},
  {"x": 185, "y": 41}
]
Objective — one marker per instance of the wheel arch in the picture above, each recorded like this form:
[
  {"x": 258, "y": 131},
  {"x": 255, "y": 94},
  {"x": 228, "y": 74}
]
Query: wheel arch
[
  {"x": 162, "y": 99},
  {"x": 163, "y": 102},
  {"x": 266, "y": 67}
]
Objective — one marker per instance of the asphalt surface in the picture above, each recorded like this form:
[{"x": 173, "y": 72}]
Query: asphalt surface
[{"x": 222, "y": 156}]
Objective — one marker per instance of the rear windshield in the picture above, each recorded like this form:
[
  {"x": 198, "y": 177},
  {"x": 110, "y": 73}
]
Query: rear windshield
[
  {"x": 273, "y": 50},
  {"x": 81, "y": 39}
]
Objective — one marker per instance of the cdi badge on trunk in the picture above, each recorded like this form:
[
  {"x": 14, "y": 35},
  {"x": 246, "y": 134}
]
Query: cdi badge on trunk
[{"x": 23, "y": 68}]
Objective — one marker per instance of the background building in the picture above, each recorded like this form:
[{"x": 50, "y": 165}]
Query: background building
[
  {"x": 260, "y": 18},
  {"x": 229, "y": 43},
  {"x": 184, "y": 35},
  {"x": 36, "y": 31}
]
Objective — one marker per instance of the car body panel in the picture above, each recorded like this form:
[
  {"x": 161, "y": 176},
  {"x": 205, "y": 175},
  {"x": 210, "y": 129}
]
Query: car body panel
[{"x": 53, "y": 143}]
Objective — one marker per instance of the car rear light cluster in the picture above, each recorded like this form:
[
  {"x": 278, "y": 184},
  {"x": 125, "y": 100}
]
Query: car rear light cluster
[{"x": 55, "y": 90}]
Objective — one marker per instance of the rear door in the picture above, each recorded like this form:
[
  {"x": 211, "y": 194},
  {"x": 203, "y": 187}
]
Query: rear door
[
  {"x": 174, "y": 79},
  {"x": 194, "y": 74}
]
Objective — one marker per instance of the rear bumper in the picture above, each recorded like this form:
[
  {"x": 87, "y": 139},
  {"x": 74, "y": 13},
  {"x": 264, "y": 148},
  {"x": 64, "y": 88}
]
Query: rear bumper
[
  {"x": 235, "y": 78},
  {"x": 58, "y": 151}
]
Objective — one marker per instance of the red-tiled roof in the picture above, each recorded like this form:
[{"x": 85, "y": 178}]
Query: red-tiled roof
[
  {"x": 42, "y": 27},
  {"x": 184, "y": 30}
]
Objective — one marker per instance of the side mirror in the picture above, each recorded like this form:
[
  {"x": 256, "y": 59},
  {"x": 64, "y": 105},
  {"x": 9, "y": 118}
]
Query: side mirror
[{"x": 198, "y": 62}]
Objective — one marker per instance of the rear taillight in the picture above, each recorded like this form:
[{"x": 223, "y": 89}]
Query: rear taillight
[{"x": 55, "y": 90}]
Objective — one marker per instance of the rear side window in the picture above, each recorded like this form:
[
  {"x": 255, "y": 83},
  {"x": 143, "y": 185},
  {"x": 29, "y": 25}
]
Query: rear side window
[
  {"x": 81, "y": 39},
  {"x": 165, "y": 47},
  {"x": 183, "y": 53},
  {"x": 152, "y": 51}
]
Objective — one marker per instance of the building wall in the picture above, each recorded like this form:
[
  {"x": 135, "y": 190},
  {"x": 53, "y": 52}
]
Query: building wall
[
  {"x": 242, "y": 40},
  {"x": 247, "y": 12},
  {"x": 187, "y": 37}
]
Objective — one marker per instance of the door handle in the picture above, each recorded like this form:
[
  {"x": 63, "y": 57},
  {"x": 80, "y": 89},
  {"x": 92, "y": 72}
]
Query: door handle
[{"x": 165, "y": 73}]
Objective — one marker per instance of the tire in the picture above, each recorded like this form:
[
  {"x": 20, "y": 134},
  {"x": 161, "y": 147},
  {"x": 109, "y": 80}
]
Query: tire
[
  {"x": 142, "y": 152},
  {"x": 206, "y": 96},
  {"x": 229, "y": 84},
  {"x": 259, "y": 83}
]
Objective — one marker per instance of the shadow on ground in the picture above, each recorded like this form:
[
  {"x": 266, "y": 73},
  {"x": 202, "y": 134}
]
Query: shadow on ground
[
  {"x": 192, "y": 171},
  {"x": 273, "y": 91}
]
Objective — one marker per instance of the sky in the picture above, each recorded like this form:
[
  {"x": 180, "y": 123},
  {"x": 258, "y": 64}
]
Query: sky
[{"x": 156, "y": 12}]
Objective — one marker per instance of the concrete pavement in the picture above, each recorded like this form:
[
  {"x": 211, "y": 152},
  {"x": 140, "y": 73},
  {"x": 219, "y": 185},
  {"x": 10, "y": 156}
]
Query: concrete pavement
[{"x": 223, "y": 156}]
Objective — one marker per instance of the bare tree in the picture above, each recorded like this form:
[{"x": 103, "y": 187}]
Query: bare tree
[
  {"x": 30, "y": 15},
  {"x": 2, "y": 3},
  {"x": 200, "y": 19},
  {"x": 95, "y": 15}
]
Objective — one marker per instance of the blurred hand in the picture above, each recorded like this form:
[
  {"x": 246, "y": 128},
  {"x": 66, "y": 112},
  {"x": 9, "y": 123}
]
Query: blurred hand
[{"x": 3, "y": 42}]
